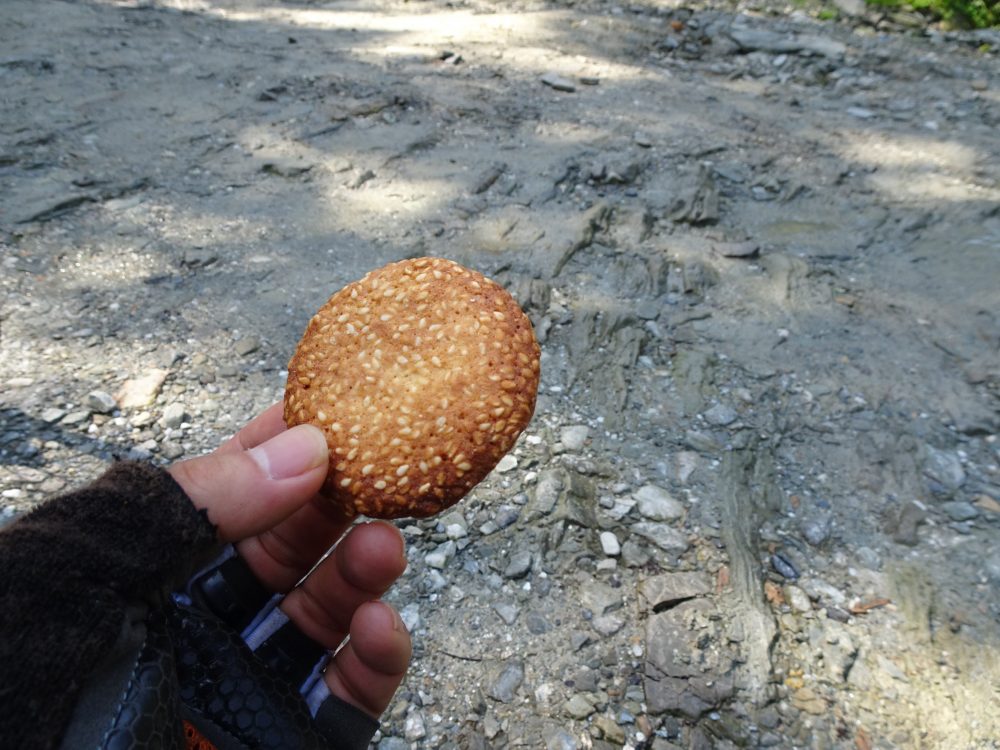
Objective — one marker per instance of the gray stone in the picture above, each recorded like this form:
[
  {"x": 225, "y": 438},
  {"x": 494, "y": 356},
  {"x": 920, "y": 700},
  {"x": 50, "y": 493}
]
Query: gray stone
[
  {"x": 171, "y": 450},
  {"x": 547, "y": 491},
  {"x": 635, "y": 555},
  {"x": 53, "y": 414},
  {"x": 656, "y": 504},
  {"x": 507, "y": 463},
  {"x": 600, "y": 598},
  {"x": 671, "y": 587},
  {"x": 776, "y": 42},
  {"x": 506, "y": 684},
  {"x": 663, "y": 536},
  {"x": 558, "y": 82},
  {"x": 393, "y": 743},
  {"x": 247, "y": 345},
  {"x": 579, "y": 707},
  {"x": 721, "y": 415},
  {"x": 410, "y": 615},
  {"x": 518, "y": 565},
  {"x": 608, "y": 624},
  {"x": 559, "y": 739},
  {"x": 797, "y": 599},
  {"x": 440, "y": 556},
  {"x": 506, "y": 612},
  {"x": 76, "y": 417},
  {"x": 960, "y": 510},
  {"x": 173, "y": 416},
  {"x": 816, "y": 530},
  {"x": 944, "y": 468},
  {"x": 574, "y": 437},
  {"x": 100, "y": 402},
  {"x": 414, "y": 727},
  {"x": 536, "y": 623}
]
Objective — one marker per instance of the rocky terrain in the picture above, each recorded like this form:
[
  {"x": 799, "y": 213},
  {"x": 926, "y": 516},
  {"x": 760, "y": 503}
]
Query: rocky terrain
[{"x": 759, "y": 505}]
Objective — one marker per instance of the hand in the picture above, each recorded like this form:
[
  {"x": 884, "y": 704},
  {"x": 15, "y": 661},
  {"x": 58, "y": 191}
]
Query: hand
[{"x": 260, "y": 490}]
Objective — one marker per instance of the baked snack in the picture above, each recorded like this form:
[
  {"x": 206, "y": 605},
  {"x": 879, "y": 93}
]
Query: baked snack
[{"x": 422, "y": 375}]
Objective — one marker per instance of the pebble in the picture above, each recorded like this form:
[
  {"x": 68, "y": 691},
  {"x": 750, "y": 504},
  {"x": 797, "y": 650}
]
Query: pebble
[
  {"x": 958, "y": 510},
  {"x": 558, "y": 82},
  {"x": 53, "y": 414},
  {"x": 393, "y": 743},
  {"x": 656, "y": 504},
  {"x": 574, "y": 437},
  {"x": 518, "y": 565},
  {"x": 579, "y": 707},
  {"x": 506, "y": 612},
  {"x": 171, "y": 450},
  {"x": 816, "y": 530},
  {"x": 861, "y": 113},
  {"x": 944, "y": 468},
  {"x": 663, "y": 536},
  {"x": 607, "y": 624},
  {"x": 76, "y": 417},
  {"x": 246, "y": 346},
  {"x": 610, "y": 544},
  {"x": 440, "y": 556},
  {"x": 414, "y": 728},
  {"x": 505, "y": 464},
  {"x": 410, "y": 615},
  {"x": 721, "y": 415},
  {"x": 173, "y": 415},
  {"x": 797, "y": 599},
  {"x": 506, "y": 685},
  {"x": 100, "y": 402},
  {"x": 783, "y": 566},
  {"x": 139, "y": 392}
]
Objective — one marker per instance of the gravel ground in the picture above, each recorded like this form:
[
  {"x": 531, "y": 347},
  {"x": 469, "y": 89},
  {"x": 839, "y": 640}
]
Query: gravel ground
[{"x": 759, "y": 503}]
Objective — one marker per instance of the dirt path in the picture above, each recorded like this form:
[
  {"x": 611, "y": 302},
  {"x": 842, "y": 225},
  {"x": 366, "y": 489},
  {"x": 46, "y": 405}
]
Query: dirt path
[{"x": 760, "y": 503}]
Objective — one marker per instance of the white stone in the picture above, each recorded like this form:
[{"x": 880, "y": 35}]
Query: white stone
[
  {"x": 610, "y": 544},
  {"x": 507, "y": 463},
  {"x": 656, "y": 504},
  {"x": 574, "y": 436}
]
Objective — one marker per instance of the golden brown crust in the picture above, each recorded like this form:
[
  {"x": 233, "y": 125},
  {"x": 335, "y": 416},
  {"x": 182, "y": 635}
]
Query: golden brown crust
[{"x": 422, "y": 375}]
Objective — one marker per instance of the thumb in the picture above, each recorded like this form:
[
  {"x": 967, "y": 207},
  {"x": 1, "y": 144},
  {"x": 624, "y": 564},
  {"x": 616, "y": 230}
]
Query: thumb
[{"x": 248, "y": 492}]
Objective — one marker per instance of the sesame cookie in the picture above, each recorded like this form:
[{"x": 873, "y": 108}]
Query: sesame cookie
[{"x": 422, "y": 375}]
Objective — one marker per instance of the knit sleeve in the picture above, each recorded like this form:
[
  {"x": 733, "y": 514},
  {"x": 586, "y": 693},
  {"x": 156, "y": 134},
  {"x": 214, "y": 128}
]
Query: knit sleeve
[{"x": 68, "y": 571}]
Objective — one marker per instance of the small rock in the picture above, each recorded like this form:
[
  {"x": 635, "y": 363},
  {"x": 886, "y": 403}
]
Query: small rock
[
  {"x": 574, "y": 437},
  {"x": 413, "y": 727},
  {"x": 960, "y": 510},
  {"x": 868, "y": 558},
  {"x": 609, "y": 544},
  {"x": 141, "y": 391},
  {"x": 141, "y": 419},
  {"x": 579, "y": 707},
  {"x": 783, "y": 566},
  {"x": 816, "y": 530},
  {"x": 663, "y": 536},
  {"x": 100, "y": 402},
  {"x": 53, "y": 414},
  {"x": 607, "y": 624},
  {"x": 440, "y": 556},
  {"x": 173, "y": 416},
  {"x": 518, "y": 565},
  {"x": 246, "y": 346},
  {"x": 600, "y": 598},
  {"x": 171, "y": 450},
  {"x": 52, "y": 485},
  {"x": 860, "y": 112},
  {"x": 393, "y": 743},
  {"x": 506, "y": 685},
  {"x": 76, "y": 417},
  {"x": 944, "y": 468},
  {"x": 721, "y": 415},
  {"x": 506, "y": 612},
  {"x": 656, "y": 504},
  {"x": 410, "y": 615},
  {"x": 797, "y": 599},
  {"x": 558, "y": 82},
  {"x": 507, "y": 463}
]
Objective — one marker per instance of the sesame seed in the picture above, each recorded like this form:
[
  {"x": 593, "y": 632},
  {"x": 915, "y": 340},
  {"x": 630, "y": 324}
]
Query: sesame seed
[
  {"x": 464, "y": 466},
  {"x": 379, "y": 485},
  {"x": 345, "y": 482},
  {"x": 402, "y": 470},
  {"x": 367, "y": 469},
  {"x": 355, "y": 429}
]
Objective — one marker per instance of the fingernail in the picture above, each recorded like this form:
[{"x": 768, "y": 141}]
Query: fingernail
[{"x": 291, "y": 453}]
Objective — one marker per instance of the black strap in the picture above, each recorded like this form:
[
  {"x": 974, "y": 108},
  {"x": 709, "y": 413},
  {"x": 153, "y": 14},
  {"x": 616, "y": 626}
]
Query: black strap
[
  {"x": 290, "y": 653},
  {"x": 231, "y": 592},
  {"x": 352, "y": 728}
]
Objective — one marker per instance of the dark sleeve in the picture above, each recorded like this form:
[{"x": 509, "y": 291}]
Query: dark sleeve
[{"x": 68, "y": 571}]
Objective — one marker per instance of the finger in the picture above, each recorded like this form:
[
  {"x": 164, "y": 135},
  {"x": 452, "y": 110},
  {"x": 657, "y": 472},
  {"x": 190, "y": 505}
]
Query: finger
[
  {"x": 362, "y": 567},
  {"x": 247, "y": 492},
  {"x": 369, "y": 669},
  {"x": 280, "y": 556},
  {"x": 266, "y": 425}
]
